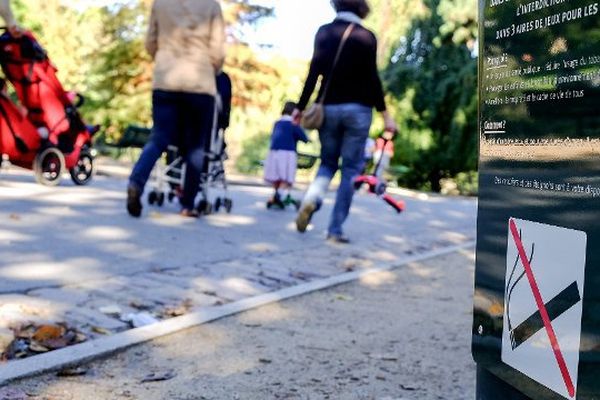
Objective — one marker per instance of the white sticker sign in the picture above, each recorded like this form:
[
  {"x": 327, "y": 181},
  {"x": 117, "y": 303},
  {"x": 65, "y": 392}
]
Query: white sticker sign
[{"x": 543, "y": 303}]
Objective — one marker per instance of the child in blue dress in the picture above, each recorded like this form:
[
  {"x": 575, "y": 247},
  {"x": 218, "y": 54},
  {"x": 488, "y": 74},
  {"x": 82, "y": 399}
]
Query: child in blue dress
[{"x": 281, "y": 163}]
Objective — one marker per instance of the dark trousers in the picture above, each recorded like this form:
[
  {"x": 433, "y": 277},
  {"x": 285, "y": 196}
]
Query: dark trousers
[{"x": 181, "y": 119}]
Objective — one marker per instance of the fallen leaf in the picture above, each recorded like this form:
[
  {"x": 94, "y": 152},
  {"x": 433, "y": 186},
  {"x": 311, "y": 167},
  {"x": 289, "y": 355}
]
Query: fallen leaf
[
  {"x": 408, "y": 388},
  {"x": 100, "y": 330},
  {"x": 76, "y": 371},
  {"x": 38, "y": 348},
  {"x": 80, "y": 337},
  {"x": 55, "y": 344},
  {"x": 15, "y": 217},
  {"x": 159, "y": 376},
  {"x": 47, "y": 332},
  {"x": 6, "y": 338},
  {"x": 139, "y": 305},
  {"x": 343, "y": 297},
  {"x": 178, "y": 311},
  {"x": 384, "y": 357},
  {"x": 26, "y": 332}
]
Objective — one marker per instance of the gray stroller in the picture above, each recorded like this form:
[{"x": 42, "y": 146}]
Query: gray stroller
[{"x": 166, "y": 182}]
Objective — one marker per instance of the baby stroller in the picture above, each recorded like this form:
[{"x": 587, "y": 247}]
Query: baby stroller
[
  {"x": 167, "y": 180},
  {"x": 50, "y": 137},
  {"x": 378, "y": 186}
]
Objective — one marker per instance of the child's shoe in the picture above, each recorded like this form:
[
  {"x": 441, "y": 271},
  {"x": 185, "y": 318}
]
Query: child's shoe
[{"x": 276, "y": 202}]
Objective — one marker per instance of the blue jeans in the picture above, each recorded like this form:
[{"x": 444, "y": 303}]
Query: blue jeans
[
  {"x": 184, "y": 120},
  {"x": 343, "y": 134}
]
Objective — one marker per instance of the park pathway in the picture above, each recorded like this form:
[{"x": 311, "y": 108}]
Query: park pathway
[{"x": 72, "y": 254}]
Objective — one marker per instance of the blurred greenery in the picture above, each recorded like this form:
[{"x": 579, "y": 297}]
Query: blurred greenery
[{"x": 426, "y": 56}]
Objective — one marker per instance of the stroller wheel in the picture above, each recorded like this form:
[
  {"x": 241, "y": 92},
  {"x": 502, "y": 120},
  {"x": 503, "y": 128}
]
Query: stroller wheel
[
  {"x": 48, "y": 166},
  {"x": 204, "y": 207},
  {"x": 160, "y": 199},
  {"x": 218, "y": 203},
  {"x": 228, "y": 204},
  {"x": 152, "y": 197},
  {"x": 83, "y": 171}
]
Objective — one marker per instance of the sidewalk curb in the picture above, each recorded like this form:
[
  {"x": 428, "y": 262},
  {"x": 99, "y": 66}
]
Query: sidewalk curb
[{"x": 95, "y": 349}]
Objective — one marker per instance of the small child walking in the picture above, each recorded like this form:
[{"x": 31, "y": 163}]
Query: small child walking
[{"x": 281, "y": 163}]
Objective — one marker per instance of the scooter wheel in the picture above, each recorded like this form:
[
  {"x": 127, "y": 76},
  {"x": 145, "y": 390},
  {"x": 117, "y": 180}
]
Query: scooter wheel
[{"x": 48, "y": 166}]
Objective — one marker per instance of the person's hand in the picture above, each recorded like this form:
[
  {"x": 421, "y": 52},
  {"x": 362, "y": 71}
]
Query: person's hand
[
  {"x": 15, "y": 31},
  {"x": 297, "y": 116}
]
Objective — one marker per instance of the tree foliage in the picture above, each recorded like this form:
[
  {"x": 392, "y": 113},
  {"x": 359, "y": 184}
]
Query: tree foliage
[
  {"x": 433, "y": 77},
  {"x": 425, "y": 52}
]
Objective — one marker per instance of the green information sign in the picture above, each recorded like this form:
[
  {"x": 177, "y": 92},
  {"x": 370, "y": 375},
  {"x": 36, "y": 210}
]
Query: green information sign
[{"x": 537, "y": 318}]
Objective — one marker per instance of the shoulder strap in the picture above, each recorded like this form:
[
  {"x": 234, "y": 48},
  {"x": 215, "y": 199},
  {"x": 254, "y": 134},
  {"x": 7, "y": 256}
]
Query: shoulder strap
[{"x": 347, "y": 33}]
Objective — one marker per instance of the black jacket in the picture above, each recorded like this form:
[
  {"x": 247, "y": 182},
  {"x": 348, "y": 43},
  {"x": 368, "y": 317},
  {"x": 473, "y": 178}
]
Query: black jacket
[{"x": 355, "y": 78}]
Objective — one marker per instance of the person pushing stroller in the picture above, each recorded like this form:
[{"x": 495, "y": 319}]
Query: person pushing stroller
[{"x": 186, "y": 38}]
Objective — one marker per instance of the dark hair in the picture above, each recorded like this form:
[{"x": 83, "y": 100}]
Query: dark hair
[
  {"x": 358, "y": 7},
  {"x": 288, "y": 108}
]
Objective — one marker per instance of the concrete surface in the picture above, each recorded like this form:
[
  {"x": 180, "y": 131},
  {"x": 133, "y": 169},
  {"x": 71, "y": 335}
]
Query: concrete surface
[
  {"x": 67, "y": 252},
  {"x": 397, "y": 335}
]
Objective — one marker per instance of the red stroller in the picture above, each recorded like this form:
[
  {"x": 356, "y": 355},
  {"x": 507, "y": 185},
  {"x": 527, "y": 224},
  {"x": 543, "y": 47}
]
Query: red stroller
[
  {"x": 50, "y": 136},
  {"x": 378, "y": 186}
]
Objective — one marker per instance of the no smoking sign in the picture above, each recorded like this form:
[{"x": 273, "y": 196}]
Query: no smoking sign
[{"x": 543, "y": 303}]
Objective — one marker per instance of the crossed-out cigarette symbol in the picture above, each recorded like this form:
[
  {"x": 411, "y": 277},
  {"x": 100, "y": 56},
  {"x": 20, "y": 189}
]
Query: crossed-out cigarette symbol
[{"x": 546, "y": 311}]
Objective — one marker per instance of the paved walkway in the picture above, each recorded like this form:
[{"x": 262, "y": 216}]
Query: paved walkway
[
  {"x": 69, "y": 252},
  {"x": 399, "y": 335}
]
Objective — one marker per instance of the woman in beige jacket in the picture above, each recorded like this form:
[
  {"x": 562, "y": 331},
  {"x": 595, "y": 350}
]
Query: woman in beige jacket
[{"x": 186, "y": 39}]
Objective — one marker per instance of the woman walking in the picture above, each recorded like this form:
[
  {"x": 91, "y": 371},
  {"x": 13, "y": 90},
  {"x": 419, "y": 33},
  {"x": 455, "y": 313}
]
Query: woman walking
[
  {"x": 186, "y": 39},
  {"x": 345, "y": 56}
]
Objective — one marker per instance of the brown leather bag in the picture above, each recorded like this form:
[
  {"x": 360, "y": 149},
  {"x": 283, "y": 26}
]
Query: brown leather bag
[{"x": 314, "y": 115}]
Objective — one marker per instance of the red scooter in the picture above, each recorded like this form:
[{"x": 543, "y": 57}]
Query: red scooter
[{"x": 377, "y": 186}]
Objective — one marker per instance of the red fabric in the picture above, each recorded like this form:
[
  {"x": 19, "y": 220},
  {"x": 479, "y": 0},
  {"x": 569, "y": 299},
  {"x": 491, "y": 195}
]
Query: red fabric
[
  {"x": 37, "y": 87},
  {"x": 22, "y": 127},
  {"x": 48, "y": 105}
]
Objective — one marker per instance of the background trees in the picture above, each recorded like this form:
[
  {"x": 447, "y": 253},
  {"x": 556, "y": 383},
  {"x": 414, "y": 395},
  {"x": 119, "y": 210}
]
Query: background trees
[{"x": 426, "y": 55}]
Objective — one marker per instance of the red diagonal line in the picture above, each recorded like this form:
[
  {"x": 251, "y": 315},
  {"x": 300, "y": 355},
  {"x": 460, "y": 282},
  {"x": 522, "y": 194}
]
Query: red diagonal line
[{"x": 562, "y": 365}]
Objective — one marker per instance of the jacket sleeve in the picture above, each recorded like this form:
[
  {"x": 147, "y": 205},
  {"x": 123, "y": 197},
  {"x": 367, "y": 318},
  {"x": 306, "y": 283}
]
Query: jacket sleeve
[
  {"x": 316, "y": 69},
  {"x": 152, "y": 35},
  {"x": 217, "y": 39},
  {"x": 301, "y": 135},
  {"x": 6, "y": 13}
]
